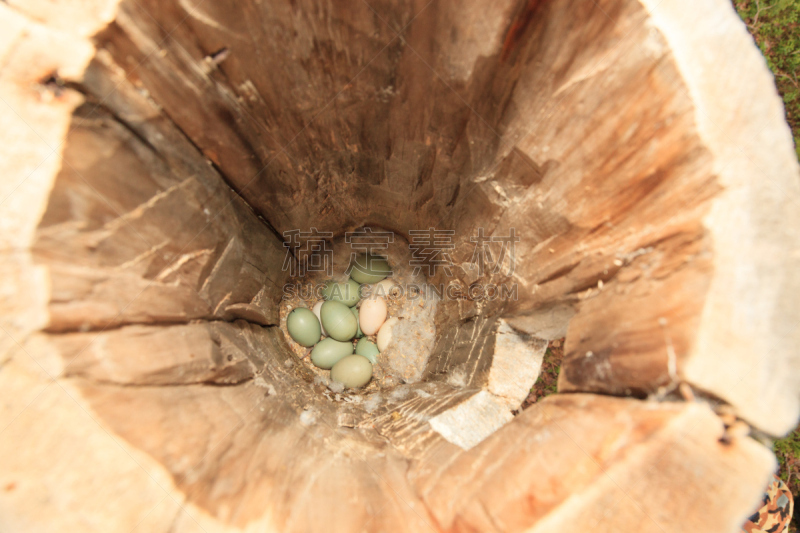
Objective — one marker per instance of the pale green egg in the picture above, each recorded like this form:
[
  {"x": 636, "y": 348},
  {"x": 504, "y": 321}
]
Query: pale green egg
[
  {"x": 328, "y": 352},
  {"x": 359, "y": 333},
  {"x": 368, "y": 349},
  {"x": 303, "y": 327},
  {"x": 348, "y": 292},
  {"x": 352, "y": 371},
  {"x": 338, "y": 320},
  {"x": 369, "y": 268}
]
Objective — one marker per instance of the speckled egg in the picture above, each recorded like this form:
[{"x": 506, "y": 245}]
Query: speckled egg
[
  {"x": 339, "y": 321},
  {"x": 385, "y": 333},
  {"x": 347, "y": 292},
  {"x": 303, "y": 327},
  {"x": 328, "y": 352},
  {"x": 372, "y": 315},
  {"x": 352, "y": 371},
  {"x": 369, "y": 269},
  {"x": 368, "y": 349}
]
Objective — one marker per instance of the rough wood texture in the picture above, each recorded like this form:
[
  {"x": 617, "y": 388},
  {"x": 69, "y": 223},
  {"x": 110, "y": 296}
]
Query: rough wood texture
[
  {"x": 252, "y": 445},
  {"x": 601, "y": 464},
  {"x": 605, "y": 157},
  {"x": 163, "y": 241},
  {"x": 150, "y": 171}
]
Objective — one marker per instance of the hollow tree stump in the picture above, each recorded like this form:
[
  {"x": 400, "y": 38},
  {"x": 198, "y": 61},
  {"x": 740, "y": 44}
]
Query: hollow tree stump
[{"x": 154, "y": 152}]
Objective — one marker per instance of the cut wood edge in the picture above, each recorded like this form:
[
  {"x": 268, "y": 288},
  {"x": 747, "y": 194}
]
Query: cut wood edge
[
  {"x": 36, "y": 119},
  {"x": 36, "y": 116},
  {"x": 746, "y": 345},
  {"x": 619, "y": 466},
  {"x": 583, "y": 462},
  {"x": 515, "y": 367},
  {"x": 643, "y": 491},
  {"x": 715, "y": 335},
  {"x": 469, "y": 423}
]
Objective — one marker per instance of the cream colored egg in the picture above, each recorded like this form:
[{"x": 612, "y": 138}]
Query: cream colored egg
[
  {"x": 315, "y": 309},
  {"x": 385, "y": 333},
  {"x": 384, "y": 287},
  {"x": 372, "y": 315}
]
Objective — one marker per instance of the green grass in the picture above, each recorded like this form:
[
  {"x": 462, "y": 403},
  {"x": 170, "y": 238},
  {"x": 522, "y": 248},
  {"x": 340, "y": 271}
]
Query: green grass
[
  {"x": 547, "y": 383},
  {"x": 775, "y": 25},
  {"x": 551, "y": 365},
  {"x": 788, "y": 453},
  {"x": 790, "y": 446}
]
